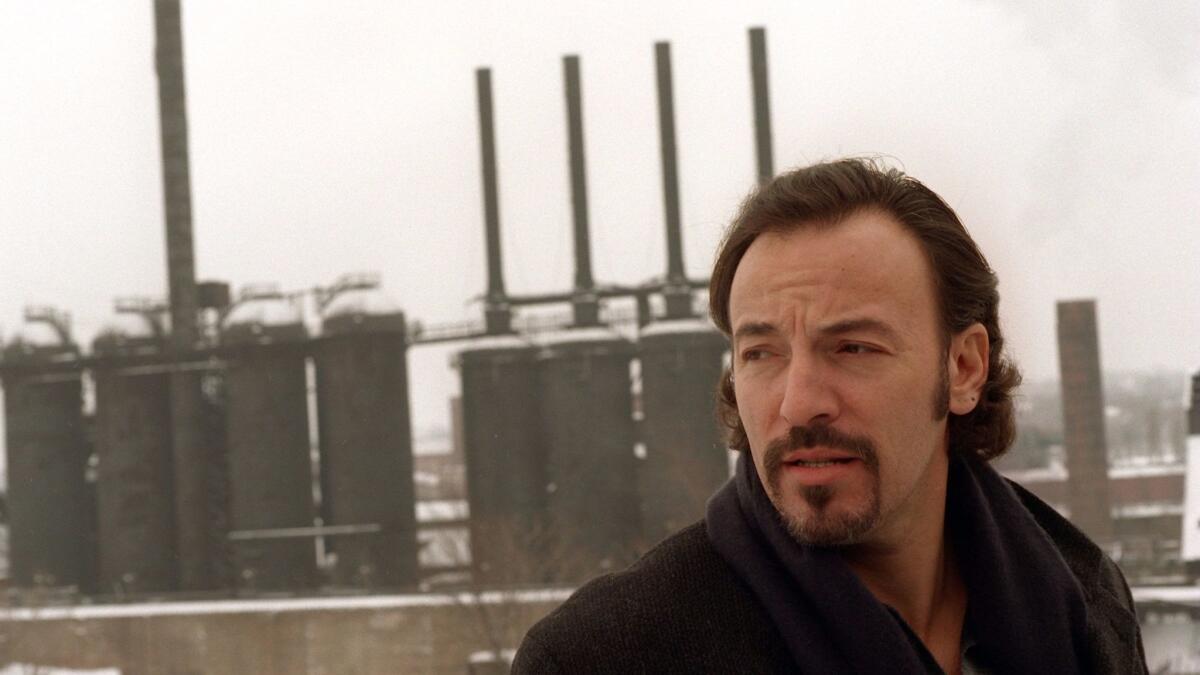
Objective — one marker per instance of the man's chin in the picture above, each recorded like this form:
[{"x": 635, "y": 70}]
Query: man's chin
[{"x": 829, "y": 526}]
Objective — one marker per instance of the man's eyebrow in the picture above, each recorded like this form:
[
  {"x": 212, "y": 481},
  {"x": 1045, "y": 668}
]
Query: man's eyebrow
[
  {"x": 860, "y": 325},
  {"x": 755, "y": 329}
]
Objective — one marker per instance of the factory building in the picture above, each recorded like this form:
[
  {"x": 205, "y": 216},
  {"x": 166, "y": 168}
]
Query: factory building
[
  {"x": 686, "y": 459},
  {"x": 1146, "y": 512},
  {"x": 270, "y": 479},
  {"x": 592, "y": 508},
  {"x": 681, "y": 358},
  {"x": 50, "y": 508},
  {"x": 238, "y": 457},
  {"x": 505, "y": 457},
  {"x": 366, "y": 451},
  {"x": 133, "y": 446}
]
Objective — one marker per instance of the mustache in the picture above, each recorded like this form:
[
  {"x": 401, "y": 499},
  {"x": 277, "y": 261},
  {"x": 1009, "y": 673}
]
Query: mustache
[{"x": 810, "y": 437}]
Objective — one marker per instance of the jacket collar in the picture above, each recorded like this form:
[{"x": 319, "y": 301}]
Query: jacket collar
[{"x": 1026, "y": 609}]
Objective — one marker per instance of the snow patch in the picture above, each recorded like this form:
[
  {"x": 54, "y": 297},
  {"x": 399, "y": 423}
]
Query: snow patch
[
  {"x": 577, "y": 335},
  {"x": 30, "y": 669},
  {"x": 675, "y": 326},
  {"x": 147, "y": 609}
]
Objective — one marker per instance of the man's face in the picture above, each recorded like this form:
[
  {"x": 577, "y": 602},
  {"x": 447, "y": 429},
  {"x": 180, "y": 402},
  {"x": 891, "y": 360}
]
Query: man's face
[{"x": 839, "y": 370}]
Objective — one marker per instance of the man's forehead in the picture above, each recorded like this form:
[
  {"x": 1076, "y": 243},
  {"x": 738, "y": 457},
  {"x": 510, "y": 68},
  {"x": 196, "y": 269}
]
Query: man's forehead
[
  {"x": 855, "y": 268},
  {"x": 865, "y": 322}
]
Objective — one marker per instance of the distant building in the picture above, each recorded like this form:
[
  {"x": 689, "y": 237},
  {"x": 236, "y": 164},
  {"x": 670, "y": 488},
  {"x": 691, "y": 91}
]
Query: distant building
[
  {"x": 439, "y": 475},
  {"x": 1146, "y": 514},
  {"x": 1144, "y": 417},
  {"x": 4, "y": 555},
  {"x": 1191, "y": 518},
  {"x": 1083, "y": 419}
]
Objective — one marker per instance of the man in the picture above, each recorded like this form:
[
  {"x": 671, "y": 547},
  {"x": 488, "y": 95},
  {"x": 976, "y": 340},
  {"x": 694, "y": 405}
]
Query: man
[{"x": 863, "y": 530}]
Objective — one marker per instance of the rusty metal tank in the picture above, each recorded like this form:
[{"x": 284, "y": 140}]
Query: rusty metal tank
[
  {"x": 264, "y": 342},
  {"x": 365, "y": 438},
  {"x": 49, "y": 503}
]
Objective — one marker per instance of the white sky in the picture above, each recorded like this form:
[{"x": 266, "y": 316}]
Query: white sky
[{"x": 329, "y": 137}]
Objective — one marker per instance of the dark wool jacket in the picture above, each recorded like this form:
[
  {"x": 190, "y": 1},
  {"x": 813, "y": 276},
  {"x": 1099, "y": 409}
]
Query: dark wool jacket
[{"x": 683, "y": 609}]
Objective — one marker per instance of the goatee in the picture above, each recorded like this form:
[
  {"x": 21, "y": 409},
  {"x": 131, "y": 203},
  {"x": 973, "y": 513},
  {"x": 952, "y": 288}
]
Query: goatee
[{"x": 820, "y": 527}]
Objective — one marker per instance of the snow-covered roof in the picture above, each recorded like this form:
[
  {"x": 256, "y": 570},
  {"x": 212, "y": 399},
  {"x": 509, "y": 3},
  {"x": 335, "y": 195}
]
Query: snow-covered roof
[
  {"x": 1146, "y": 470},
  {"x": 149, "y": 609},
  {"x": 427, "y": 478},
  {"x": 1147, "y": 510},
  {"x": 507, "y": 655},
  {"x": 1042, "y": 474},
  {"x": 361, "y": 301},
  {"x": 434, "y": 510},
  {"x": 675, "y": 326},
  {"x": 267, "y": 311},
  {"x": 1176, "y": 595},
  {"x": 128, "y": 326},
  {"x": 570, "y": 335},
  {"x": 444, "y": 548},
  {"x": 494, "y": 342},
  {"x": 1058, "y": 472},
  {"x": 28, "y": 668},
  {"x": 36, "y": 334}
]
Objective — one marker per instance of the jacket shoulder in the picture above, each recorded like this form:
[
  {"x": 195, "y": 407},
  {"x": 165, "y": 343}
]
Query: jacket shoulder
[
  {"x": 1088, "y": 563},
  {"x": 1113, "y": 628},
  {"x": 680, "y": 608}
]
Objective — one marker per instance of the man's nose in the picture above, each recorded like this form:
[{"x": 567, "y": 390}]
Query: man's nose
[{"x": 809, "y": 397}]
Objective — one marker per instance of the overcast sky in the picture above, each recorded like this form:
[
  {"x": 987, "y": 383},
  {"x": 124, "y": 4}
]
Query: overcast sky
[{"x": 329, "y": 137}]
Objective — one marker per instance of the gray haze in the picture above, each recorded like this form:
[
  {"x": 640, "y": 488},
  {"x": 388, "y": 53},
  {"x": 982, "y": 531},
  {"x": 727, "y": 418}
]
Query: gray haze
[{"x": 329, "y": 137}]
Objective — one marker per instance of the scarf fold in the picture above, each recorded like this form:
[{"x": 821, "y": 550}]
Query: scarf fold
[{"x": 1025, "y": 608}]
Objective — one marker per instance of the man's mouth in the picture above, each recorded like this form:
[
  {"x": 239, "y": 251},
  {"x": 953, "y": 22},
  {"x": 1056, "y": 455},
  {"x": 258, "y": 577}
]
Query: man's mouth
[{"x": 817, "y": 463}]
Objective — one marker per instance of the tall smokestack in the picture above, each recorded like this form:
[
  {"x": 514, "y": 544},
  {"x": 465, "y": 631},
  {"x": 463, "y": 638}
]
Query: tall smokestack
[
  {"x": 177, "y": 190},
  {"x": 497, "y": 315},
  {"x": 677, "y": 294},
  {"x": 1083, "y": 419},
  {"x": 762, "y": 105},
  {"x": 585, "y": 304},
  {"x": 195, "y": 538}
]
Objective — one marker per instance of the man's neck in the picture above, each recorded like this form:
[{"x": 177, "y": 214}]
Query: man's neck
[
  {"x": 914, "y": 583},
  {"x": 919, "y": 578},
  {"x": 913, "y": 569}
]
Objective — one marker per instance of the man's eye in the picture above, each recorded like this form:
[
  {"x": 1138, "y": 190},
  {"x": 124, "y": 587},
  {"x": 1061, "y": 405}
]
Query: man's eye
[
  {"x": 855, "y": 348},
  {"x": 753, "y": 354}
]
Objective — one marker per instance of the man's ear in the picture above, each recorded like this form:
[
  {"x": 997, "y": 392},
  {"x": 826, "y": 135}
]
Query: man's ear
[
  {"x": 967, "y": 367},
  {"x": 728, "y": 414}
]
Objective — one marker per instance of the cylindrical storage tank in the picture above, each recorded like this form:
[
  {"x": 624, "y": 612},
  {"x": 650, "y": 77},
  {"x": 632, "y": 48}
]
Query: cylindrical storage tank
[
  {"x": 505, "y": 454},
  {"x": 591, "y": 471},
  {"x": 270, "y": 474},
  {"x": 48, "y": 499},
  {"x": 136, "y": 520},
  {"x": 686, "y": 459},
  {"x": 366, "y": 440}
]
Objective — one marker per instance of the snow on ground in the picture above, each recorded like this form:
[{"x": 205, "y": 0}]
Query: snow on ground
[
  {"x": 29, "y": 669},
  {"x": 77, "y": 612}
]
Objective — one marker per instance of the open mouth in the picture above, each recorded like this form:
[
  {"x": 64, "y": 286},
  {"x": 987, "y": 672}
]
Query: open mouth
[{"x": 815, "y": 464}]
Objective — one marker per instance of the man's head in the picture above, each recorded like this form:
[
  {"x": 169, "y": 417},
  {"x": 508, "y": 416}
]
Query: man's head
[{"x": 866, "y": 346}]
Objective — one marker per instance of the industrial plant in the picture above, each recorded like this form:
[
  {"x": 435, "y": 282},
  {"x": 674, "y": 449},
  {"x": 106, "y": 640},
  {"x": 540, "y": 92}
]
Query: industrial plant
[
  {"x": 239, "y": 443},
  {"x": 256, "y": 443}
]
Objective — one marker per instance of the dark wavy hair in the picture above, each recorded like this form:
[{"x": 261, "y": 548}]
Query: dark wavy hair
[{"x": 965, "y": 284}]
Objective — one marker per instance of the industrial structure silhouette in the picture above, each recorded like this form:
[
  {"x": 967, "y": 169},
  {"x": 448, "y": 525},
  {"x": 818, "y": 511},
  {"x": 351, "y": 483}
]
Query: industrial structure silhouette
[
  {"x": 195, "y": 472},
  {"x": 199, "y": 449}
]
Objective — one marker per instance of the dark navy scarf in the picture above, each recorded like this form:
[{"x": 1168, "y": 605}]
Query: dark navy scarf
[{"x": 1025, "y": 610}]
